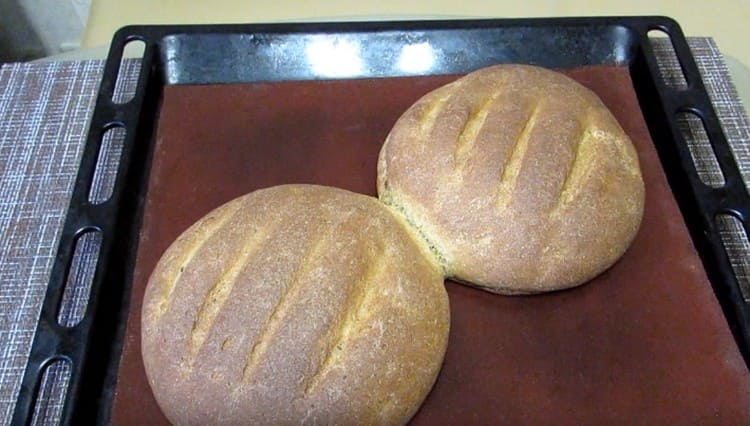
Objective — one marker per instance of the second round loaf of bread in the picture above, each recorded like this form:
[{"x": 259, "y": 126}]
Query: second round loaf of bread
[
  {"x": 519, "y": 178},
  {"x": 294, "y": 304}
]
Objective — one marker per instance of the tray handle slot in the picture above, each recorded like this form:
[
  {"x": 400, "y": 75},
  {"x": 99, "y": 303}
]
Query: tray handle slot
[
  {"x": 80, "y": 277},
  {"x": 701, "y": 150},
  {"x": 737, "y": 251},
  {"x": 661, "y": 42},
  {"x": 131, "y": 54},
  {"x": 54, "y": 381},
  {"x": 737, "y": 192},
  {"x": 105, "y": 172}
]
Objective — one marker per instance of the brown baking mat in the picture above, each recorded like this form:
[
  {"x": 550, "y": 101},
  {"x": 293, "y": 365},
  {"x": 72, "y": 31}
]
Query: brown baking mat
[{"x": 645, "y": 342}]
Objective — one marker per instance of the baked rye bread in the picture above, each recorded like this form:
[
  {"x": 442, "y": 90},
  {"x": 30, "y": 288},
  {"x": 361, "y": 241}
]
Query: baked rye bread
[
  {"x": 518, "y": 177},
  {"x": 294, "y": 304}
]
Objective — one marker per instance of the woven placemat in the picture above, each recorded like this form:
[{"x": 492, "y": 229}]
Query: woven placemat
[{"x": 44, "y": 113}]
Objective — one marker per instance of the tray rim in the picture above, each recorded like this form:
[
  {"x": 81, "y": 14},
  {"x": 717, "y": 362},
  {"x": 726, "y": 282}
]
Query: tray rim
[{"x": 699, "y": 203}]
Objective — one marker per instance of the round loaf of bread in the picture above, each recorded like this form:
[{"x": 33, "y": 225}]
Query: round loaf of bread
[
  {"x": 294, "y": 304},
  {"x": 519, "y": 178}
]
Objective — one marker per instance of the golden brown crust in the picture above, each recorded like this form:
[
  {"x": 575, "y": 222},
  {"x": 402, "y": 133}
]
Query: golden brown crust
[
  {"x": 294, "y": 304},
  {"x": 519, "y": 178}
]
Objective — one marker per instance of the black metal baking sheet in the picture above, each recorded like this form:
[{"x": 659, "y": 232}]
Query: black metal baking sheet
[{"x": 211, "y": 54}]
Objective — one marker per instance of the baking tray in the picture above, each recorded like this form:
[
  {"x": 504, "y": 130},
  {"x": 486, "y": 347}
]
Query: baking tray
[{"x": 176, "y": 55}]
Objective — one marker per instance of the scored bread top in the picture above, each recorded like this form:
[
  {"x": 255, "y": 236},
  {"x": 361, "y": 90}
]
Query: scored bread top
[
  {"x": 292, "y": 304},
  {"x": 518, "y": 178}
]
